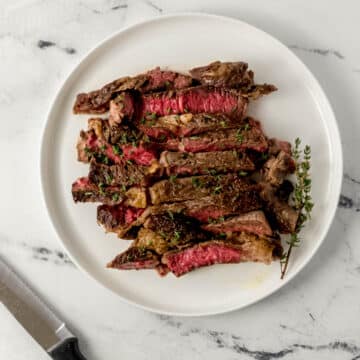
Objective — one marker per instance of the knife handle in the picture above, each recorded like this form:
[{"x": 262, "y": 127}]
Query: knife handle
[{"x": 67, "y": 350}]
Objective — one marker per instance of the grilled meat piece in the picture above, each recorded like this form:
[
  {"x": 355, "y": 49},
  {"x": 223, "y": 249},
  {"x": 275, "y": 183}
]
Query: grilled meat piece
[
  {"x": 85, "y": 191},
  {"x": 284, "y": 216},
  {"x": 253, "y": 222},
  {"x": 277, "y": 168},
  {"x": 177, "y": 163},
  {"x": 195, "y": 187},
  {"x": 247, "y": 136},
  {"x": 165, "y": 231},
  {"x": 186, "y": 124},
  {"x": 124, "y": 174},
  {"x": 216, "y": 206},
  {"x": 119, "y": 219},
  {"x": 244, "y": 248},
  {"x": 124, "y": 145},
  {"x": 97, "y": 102},
  {"x": 135, "y": 258}
]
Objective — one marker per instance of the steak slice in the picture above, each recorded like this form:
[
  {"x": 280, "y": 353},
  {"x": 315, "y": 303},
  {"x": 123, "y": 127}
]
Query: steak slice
[
  {"x": 277, "y": 168},
  {"x": 90, "y": 145},
  {"x": 253, "y": 222},
  {"x": 119, "y": 219},
  {"x": 124, "y": 174},
  {"x": 135, "y": 258},
  {"x": 181, "y": 163},
  {"x": 217, "y": 206},
  {"x": 245, "y": 248},
  {"x": 165, "y": 231},
  {"x": 85, "y": 191},
  {"x": 185, "y": 124},
  {"x": 247, "y": 136},
  {"x": 201, "y": 99},
  {"x": 97, "y": 102},
  {"x": 283, "y": 216},
  {"x": 196, "y": 187},
  {"x": 233, "y": 75}
]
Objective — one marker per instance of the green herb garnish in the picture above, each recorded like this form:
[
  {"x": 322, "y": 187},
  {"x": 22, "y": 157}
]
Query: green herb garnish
[
  {"x": 172, "y": 178},
  {"x": 239, "y": 136},
  {"x": 116, "y": 149},
  {"x": 302, "y": 198},
  {"x": 101, "y": 187},
  {"x": 242, "y": 173},
  {"x": 115, "y": 197}
]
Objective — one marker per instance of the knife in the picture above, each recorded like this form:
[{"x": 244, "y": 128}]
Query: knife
[{"x": 36, "y": 317}]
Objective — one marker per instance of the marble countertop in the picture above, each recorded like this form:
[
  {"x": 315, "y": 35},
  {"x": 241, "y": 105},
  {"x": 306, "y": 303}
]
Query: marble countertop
[{"x": 316, "y": 316}]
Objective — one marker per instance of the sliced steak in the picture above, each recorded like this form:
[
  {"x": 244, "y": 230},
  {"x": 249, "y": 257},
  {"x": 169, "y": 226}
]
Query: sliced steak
[
  {"x": 166, "y": 231},
  {"x": 181, "y": 163},
  {"x": 185, "y": 124},
  {"x": 97, "y": 102},
  {"x": 246, "y": 248},
  {"x": 248, "y": 136},
  {"x": 283, "y": 216},
  {"x": 277, "y": 168},
  {"x": 124, "y": 174},
  {"x": 253, "y": 222},
  {"x": 217, "y": 206},
  {"x": 85, "y": 191},
  {"x": 90, "y": 145},
  {"x": 135, "y": 258},
  {"x": 118, "y": 219},
  {"x": 194, "y": 100},
  {"x": 196, "y": 187}
]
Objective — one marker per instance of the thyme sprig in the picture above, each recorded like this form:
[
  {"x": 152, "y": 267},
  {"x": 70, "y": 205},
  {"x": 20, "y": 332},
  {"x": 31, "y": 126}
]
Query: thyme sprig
[{"x": 302, "y": 198}]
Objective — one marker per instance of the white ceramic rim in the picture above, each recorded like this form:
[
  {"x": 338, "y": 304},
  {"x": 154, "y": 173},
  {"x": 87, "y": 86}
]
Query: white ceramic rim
[{"x": 335, "y": 144}]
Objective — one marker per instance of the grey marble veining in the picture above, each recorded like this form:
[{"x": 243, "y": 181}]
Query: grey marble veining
[{"x": 316, "y": 316}]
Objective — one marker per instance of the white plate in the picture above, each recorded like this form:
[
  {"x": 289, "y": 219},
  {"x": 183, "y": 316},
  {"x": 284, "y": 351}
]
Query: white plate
[{"x": 179, "y": 42}]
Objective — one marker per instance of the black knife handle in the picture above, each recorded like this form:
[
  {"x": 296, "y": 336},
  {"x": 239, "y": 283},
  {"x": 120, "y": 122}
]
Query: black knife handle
[{"x": 67, "y": 350}]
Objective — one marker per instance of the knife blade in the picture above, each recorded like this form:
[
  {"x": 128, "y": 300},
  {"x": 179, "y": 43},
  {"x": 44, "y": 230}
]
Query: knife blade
[{"x": 36, "y": 317}]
